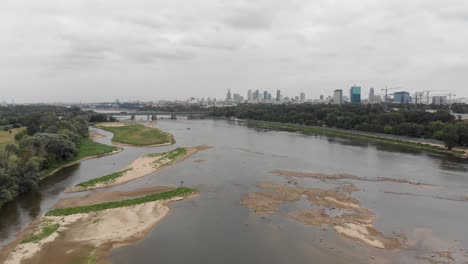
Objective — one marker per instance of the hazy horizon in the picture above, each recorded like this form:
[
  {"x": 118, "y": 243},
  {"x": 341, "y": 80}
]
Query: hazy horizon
[{"x": 91, "y": 51}]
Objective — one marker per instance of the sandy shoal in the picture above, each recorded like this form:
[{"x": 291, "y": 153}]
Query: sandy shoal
[
  {"x": 99, "y": 230},
  {"x": 142, "y": 167}
]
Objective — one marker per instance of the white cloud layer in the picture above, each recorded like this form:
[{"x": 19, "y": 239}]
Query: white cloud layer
[{"x": 94, "y": 50}]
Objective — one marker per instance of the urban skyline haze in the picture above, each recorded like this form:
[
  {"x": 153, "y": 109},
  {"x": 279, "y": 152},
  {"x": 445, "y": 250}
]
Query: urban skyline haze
[{"x": 93, "y": 51}]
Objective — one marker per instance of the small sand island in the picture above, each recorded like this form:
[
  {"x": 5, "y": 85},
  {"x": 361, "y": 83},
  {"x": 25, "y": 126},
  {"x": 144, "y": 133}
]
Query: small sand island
[
  {"x": 135, "y": 134},
  {"x": 139, "y": 168},
  {"x": 95, "y": 224}
]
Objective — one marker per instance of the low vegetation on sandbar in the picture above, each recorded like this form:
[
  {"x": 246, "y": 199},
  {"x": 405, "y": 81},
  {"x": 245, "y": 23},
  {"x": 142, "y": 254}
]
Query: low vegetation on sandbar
[
  {"x": 89, "y": 230},
  {"x": 46, "y": 229},
  {"x": 139, "y": 168},
  {"x": 178, "y": 192},
  {"x": 137, "y": 134},
  {"x": 104, "y": 179}
]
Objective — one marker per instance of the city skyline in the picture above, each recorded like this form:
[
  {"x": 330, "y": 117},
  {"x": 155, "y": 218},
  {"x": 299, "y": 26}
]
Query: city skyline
[{"x": 85, "y": 51}]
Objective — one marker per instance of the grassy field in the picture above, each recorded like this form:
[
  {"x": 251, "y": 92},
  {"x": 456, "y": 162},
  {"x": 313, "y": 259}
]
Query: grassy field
[
  {"x": 7, "y": 138},
  {"x": 88, "y": 148},
  {"x": 345, "y": 134},
  {"x": 104, "y": 179},
  {"x": 178, "y": 192},
  {"x": 138, "y": 135}
]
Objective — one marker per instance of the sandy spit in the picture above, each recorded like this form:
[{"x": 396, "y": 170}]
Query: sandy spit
[
  {"x": 141, "y": 167},
  {"x": 97, "y": 230}
]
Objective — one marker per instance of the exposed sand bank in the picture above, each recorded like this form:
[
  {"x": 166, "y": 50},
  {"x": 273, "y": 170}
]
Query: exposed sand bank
[
  {"x": 91, "y": 233},
  {"x": 324, "y": 177},
  {"x": 113, "y": 124},
  {"x": 141, "y": 167},
  {"x": 95, "y": 135},
  {"x": 332, "y": 207}
]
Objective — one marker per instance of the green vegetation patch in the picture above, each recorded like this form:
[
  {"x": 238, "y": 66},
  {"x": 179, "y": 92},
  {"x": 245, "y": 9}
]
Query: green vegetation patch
[
  {"x": 47, "y": 229},
  {"x": 88, "y": 148},
  {"x": 138, "y": 135},
  {"x": 181, "y": 191},
  {"x": 173, "y": 154},
  {"x": 9, "y": 138},
  {"x": 104, "y": 179}
]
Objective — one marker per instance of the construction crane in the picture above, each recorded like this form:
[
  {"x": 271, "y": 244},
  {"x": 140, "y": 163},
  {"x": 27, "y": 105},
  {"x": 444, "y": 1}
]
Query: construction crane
[
  {"x": 386, "y": 92},
  {"x": 428, "y": 92}
]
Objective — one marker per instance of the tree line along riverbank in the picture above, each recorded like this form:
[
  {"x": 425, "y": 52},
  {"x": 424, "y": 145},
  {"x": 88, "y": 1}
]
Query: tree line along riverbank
[{"x": 416, "y": 123}]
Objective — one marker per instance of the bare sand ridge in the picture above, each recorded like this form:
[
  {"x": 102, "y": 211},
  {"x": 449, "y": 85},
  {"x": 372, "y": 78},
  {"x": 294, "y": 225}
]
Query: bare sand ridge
[
  {"x": 113, "y": 124},
  {"x": 95, "y": 135},
  {"x": 324, "y": 177},
  {"x": 141, "y": 167},
  {"x": 333, "y": 207},
  {"x": 91, "y": 233}
]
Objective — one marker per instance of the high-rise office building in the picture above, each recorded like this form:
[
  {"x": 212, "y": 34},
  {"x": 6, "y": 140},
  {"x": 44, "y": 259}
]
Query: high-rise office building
[
  {"x": 401, "y": 97},
  {"x": 265, "y": 95},
  {"x": 249, "y": 95},
  {"x": 371, "y": 95},
  {"x": 228, "y": 96},
  {"x": 338, "y": 97},
  {"x": 303, "y": 97},
  {"x": 355, "y": 94},
  {"x": 439, "y": 100},
  {"x": 278, "y": 95},
  {"x": 256, "y": 95}
]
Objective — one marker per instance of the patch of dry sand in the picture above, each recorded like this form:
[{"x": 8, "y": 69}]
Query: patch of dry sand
[
  {"x": 354, "y": 222},
  {"x": 95, "y": 135},
  {"x": 141, "y": 167},
  {"x": 107, "y": 229},
  {"x": 113, "y": 124}
]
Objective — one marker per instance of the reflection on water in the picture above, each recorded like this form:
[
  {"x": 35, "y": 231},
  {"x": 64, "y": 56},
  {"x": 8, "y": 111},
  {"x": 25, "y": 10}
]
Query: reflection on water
[{"x": 214, "y": 227}]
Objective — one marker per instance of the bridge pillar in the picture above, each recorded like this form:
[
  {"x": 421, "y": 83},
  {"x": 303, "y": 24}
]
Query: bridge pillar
[
  {"x": 148, "y": 117},
  {"x": 132, "y": 117},
  {"x": 154, "y": 117},
  {"x": 173, "y": 116}
]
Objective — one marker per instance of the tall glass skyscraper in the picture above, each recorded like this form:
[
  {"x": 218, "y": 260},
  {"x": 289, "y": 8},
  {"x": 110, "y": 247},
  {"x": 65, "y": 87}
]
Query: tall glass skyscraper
[{"x": 355, "y": 94}]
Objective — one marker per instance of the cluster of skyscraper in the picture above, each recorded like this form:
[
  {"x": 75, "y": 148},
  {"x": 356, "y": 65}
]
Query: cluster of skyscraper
[
  {"x": 354, "y": 95},
  {"x": 263, "y": 97},
  {"x": 400, "y": 97}
]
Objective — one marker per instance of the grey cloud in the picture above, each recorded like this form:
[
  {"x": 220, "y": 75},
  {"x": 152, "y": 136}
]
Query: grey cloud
[
  {"x": 249, "y": 19},
  {"x": 313, "y": 46}
]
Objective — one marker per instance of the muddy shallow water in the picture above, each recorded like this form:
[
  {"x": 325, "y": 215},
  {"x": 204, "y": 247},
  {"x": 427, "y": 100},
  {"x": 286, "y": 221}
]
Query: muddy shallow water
[{"x": 214, "y": 227}]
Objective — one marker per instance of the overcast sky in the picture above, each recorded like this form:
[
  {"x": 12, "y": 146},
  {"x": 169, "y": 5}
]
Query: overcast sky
[{"x": 96, "y": 50}]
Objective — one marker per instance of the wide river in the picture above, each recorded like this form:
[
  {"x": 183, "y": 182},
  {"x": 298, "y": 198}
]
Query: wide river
[{"x": 214, "y": 228}]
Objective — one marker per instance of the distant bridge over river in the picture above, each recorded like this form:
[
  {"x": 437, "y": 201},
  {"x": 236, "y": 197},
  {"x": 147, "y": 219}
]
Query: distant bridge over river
[{"x": 153, "y": 115}]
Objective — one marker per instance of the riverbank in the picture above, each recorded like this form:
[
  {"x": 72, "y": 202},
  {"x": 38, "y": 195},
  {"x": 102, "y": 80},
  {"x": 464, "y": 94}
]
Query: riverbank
[
  {"x": 85, "y": 233},
  {"x": 88, "y": 149},
  {"x": 141, "y": 167},
  {"x": 429, "y": 147},
  {"x": 135, "y": 134}
]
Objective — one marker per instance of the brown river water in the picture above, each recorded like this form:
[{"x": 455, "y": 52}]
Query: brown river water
[{"x": 214, "y": 227}]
